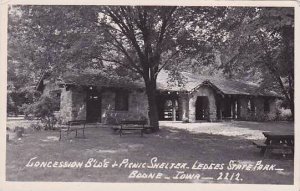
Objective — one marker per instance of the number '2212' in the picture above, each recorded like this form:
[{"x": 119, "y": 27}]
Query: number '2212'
[{"x": 229, "y": 176}]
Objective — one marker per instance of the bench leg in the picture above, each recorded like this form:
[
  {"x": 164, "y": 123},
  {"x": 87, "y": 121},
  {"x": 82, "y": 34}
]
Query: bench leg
[
  {"x": 120, "y": 132},
  {"x": 262, "y": 151},
  {"x": 83, "y": 132},
  {"x": 76, "y": 133},
  {"x": 59, "y": 135},
  {"x": 267, "y": 152}
]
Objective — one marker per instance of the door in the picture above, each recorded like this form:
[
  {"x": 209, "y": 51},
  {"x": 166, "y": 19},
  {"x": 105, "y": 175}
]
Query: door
[
  {"x": 202, "y": 109},
  {"x": 93, "y": 106}
]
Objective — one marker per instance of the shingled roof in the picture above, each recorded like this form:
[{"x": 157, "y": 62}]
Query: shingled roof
[
  {"x": 231, "y": 87},
  {"x": 225, "y": 86},
  {"x": 87, "y": 79}
]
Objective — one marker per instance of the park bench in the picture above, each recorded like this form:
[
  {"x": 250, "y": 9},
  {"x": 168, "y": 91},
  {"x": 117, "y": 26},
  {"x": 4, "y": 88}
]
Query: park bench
[
  {"x": 75, "y": 125},
  {"x": 283, "y": 142},
  {"x": 132, "y": 125}
]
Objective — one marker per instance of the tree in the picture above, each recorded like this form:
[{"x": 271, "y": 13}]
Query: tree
[
  {"x": 260, "y": 43},
  {"x": 141, "y": 40},
  {"x": 148, "y": 38},
  {"x": 43, "y": 109}
]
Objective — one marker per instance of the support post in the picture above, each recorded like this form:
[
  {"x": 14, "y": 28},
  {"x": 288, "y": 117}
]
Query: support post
[{"x": 173, "y": 110}]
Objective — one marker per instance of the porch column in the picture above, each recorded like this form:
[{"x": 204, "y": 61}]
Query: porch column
[
  {"x": 234, "y": 109},
  {"x": 238, "y": 108},
  {"x": 183, "y": 106},
  {"x": 173, "y": 110}
]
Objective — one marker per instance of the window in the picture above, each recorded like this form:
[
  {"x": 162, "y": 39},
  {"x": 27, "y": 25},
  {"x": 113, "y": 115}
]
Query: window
[
  {"x": 56, "y": 94},
  {"x": 121, "y": 100},
  {"x": 57, "y": 101},
  {"x": 266, "y": 105}
]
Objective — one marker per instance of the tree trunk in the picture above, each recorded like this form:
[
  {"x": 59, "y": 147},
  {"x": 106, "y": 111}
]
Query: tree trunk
[{"x": 153, "y": 110}]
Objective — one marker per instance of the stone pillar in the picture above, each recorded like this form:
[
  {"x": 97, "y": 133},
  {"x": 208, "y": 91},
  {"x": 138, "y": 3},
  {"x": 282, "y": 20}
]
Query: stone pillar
[
  {"x": 107, "y": 106},
  {"x": 238, "y": 108},
  {"x": 212, "y": 108},
  {"x": 183, "y": 107},
  {"x": 272, "y": 113},
  {"x": 66, "y": 105},
  {"x": 243, "y": 108},
  {"x": 234, "y": 109},
  {"x": 259, "y": 106},
  {"x": 173, "y": 109},
  {"x": 192, "y": 108}
]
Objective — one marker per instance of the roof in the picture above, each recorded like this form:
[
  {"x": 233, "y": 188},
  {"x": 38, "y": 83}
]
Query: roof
[
  {"x": 226, "y": 86},
  {"x": 88, "y": 79},
  {"x": 192, "y": 82}
]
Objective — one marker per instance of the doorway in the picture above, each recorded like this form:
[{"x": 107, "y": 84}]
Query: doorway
[
  {"x": 202, "y": 109},
  {"x": 93, "y": 106}
]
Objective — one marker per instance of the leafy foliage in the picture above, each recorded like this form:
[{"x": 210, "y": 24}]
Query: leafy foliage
[
  {"x": 44, "y": 110},
  {"x": 259, "y": 45},
  {"x": 17, "y": 97},
  {"x": 138, "y": 41}
]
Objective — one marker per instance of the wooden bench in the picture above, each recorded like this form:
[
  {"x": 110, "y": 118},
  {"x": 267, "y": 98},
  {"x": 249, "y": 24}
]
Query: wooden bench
[
  {"x": 266, "y": 149},
  {"x": 75, "y": 125},
  {"x": 132, "y": 125}
]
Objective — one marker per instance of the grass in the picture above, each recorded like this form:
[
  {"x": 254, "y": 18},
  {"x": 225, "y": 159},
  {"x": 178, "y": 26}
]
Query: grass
[{"x": 175, "y": 142}]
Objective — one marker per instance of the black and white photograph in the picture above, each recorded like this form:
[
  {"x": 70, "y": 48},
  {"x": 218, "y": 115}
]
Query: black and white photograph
[{"x": 188, "y": 94}]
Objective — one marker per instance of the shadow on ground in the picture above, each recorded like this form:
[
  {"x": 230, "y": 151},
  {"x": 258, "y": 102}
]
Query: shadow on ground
[{"x": 168, "y": 145}]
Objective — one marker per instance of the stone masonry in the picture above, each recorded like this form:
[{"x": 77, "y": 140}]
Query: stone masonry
[
  {"x": 202, "y": 91},
  {"x": 73, "y": 105}
]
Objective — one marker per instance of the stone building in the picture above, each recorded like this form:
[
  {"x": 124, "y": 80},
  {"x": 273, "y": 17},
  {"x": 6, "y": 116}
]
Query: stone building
[{"x": 96, "y": 98}]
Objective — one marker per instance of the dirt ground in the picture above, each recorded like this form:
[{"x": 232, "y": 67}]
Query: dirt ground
[{"x": 198, "y": 145}]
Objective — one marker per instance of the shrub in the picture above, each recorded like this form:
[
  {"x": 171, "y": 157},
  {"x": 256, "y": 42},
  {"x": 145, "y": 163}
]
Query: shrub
[
  {"x": 111, "y": 120},
  {"x": 19, "y": 131},
  {"x": 18, "y": 128},
  {"x": 17, "y": 97},
  {"x": 284, "y": 114},
  {"x": 185, "y": 120},
  {"x": 36, "y": 126},
  {"x": 43, "y": 109}
]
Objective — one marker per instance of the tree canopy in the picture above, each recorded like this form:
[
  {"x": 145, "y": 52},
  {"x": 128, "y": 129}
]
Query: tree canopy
[
  {"x": 137, "y": 40},
  {"x": 140, "y": 41},
  {"x": 259, "y": 45}
]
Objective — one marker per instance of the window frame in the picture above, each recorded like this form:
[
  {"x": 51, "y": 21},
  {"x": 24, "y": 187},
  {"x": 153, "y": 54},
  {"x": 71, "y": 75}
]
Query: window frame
[{"x": 121, "y": 100}]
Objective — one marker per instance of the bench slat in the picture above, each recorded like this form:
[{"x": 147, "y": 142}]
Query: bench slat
[
  {"x": 133, "y": 122},
  {"x": 132, "y": 125}
]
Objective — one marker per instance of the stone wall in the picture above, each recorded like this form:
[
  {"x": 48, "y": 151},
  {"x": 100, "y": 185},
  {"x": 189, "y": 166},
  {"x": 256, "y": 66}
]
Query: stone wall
[
  {"x": 107, "y": 106},
  {"x": 271, "y": 115},
  {"x": 137, "y": 107},
  {"x": 78, "y": 103},
  {"x": 66, "y": 105},
  {"x": 243, "y": 108},
  {"x": 202, "y": 91},
  {"x": 73, "y": 105},
  {"x": 259, "y": 114},
  {"x": 259, "y": 109}
]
